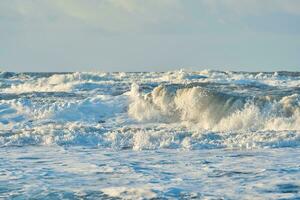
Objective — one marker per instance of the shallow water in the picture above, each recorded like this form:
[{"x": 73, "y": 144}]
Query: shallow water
[
  {"x": 37, "y": 172},
  {"x": 167, "y": 135}
]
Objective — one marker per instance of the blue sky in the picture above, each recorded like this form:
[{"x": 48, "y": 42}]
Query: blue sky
[{"x": 149, "y": 35}]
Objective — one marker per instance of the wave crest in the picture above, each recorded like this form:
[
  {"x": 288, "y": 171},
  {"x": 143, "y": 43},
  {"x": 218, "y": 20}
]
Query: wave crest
[{"x": 215, "y": 110}]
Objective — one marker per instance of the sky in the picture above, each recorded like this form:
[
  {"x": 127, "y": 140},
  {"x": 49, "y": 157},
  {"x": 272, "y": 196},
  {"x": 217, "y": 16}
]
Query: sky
[{"x": 149, "y": 35}]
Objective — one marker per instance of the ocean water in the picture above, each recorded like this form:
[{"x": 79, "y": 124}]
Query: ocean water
[{"x": 150, "y": 135}]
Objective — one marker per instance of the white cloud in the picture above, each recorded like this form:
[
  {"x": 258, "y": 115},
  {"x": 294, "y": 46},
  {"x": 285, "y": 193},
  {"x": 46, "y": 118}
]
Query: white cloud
[
  {"x": 254, "y": 7},
  {"x": 117, "y": 15},
  {"x": 109, "y": 15},
  {"x": 125, "y": 16}
]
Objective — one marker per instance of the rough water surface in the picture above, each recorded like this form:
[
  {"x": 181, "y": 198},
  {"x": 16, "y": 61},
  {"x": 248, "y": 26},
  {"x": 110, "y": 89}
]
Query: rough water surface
[{"x": 150, "y": 135}]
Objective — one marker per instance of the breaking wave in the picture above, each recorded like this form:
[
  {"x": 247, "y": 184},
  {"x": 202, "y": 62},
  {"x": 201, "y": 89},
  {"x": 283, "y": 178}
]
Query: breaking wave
[
  {"x": 151, "y": 110},
  {"x": 215, "y": 110}
]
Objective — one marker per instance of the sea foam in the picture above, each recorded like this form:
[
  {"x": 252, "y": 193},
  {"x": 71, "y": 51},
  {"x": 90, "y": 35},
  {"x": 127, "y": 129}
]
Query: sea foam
[{"x": 151, "y": 110}]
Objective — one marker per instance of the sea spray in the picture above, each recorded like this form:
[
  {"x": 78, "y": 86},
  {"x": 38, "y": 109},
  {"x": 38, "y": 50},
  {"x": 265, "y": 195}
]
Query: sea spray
[{"x": 151, "y": 110}]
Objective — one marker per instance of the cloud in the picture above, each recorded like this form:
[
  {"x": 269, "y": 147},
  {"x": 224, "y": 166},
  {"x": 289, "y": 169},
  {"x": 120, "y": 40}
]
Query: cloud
[
  {"x": 109, "y": 15},
  {"x": 120, "y": 15},
  {"x": 145, "y": 16},
  {"x": 268, "y": 16},
  {"x": 254, "y": 7}
]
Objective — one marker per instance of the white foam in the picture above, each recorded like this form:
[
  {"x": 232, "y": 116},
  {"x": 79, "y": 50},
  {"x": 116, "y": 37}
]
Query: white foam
[
  {"x": 130, "y": 192},
  {"x": 56, "y": 82},
  {"x": 185, "y": 116},
  {"x": 211, "y": 112}
]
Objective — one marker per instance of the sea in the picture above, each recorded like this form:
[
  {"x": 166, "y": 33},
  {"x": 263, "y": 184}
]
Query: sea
[{"x": 150, "y": 135}]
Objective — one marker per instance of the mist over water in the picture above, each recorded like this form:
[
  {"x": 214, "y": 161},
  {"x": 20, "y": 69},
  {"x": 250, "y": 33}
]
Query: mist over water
[{"x": 227, "y": 113}]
